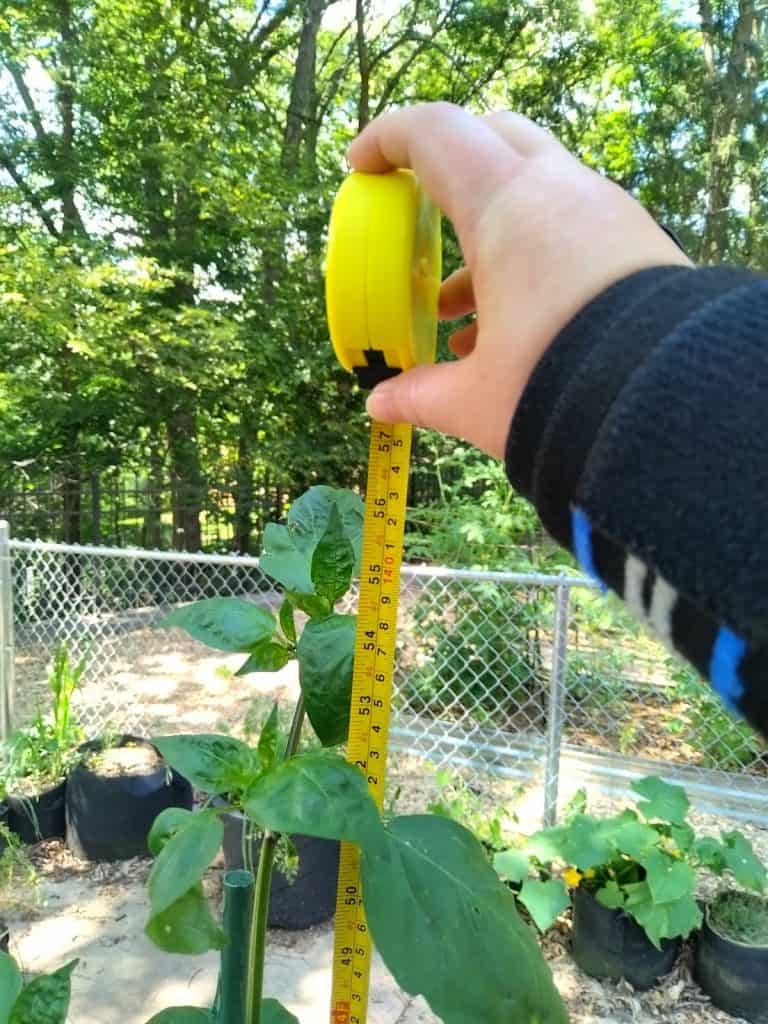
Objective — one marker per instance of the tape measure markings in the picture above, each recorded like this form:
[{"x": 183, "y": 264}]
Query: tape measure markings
[{"x": 375, "y": 642}]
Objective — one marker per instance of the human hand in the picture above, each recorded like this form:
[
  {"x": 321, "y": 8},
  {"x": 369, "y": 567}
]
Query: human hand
[{"x": 541, "y": 234}]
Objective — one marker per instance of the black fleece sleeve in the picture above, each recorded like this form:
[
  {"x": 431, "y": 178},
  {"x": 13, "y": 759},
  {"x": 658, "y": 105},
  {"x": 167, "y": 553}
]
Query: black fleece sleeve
[{"x": 642, "y": 439}]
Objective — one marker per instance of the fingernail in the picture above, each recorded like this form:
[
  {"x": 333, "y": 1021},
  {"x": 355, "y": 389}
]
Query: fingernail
[{"x": 376, "y": 401}]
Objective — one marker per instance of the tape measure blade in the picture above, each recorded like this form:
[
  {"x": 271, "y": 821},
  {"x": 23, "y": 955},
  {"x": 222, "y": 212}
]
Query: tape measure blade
[{"x": 371, "y": 701}]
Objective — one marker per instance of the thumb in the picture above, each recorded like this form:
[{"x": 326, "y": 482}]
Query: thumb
[{"x": 427, "y": 396}]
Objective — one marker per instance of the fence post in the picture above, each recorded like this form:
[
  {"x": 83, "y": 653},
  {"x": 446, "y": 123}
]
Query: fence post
[
  {"x": 7, "y": 680},
  {"x": 556, "y": 708}
]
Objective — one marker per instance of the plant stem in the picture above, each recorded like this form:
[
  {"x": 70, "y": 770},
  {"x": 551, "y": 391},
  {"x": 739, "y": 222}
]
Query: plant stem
[{"x": 258, "y": 937}]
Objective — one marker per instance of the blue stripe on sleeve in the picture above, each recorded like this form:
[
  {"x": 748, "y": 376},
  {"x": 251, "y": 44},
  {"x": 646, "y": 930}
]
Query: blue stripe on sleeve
[
  {"x": 582, "y": 543},
  {"x": 727, "y": 652}
]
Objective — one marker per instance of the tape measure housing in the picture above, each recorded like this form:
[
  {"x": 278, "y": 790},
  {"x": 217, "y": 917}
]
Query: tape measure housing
[{"x": 383, "y": 275}]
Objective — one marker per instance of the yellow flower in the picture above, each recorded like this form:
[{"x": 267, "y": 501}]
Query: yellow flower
[
  {"x": 572, "y": 877},
  {"x": 590, "y": 873}
]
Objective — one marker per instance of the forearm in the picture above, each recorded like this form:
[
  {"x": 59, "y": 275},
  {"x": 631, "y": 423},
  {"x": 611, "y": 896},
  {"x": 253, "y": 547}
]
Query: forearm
[{"x": 642, "y": 438}]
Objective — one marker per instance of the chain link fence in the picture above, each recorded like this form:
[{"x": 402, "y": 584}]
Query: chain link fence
[{"x": 533, "y": 677}]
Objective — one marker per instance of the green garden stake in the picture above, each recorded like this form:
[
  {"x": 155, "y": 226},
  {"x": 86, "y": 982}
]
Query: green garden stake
[{"x": 238, "y": 900}]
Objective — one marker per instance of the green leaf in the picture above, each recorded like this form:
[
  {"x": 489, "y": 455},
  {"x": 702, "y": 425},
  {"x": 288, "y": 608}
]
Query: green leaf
[
  {"x": 289, "y": 550},
  {"x": 215, "y": 764},
  {"x": 711, "y": 853},
  {"x": 333, "y": 560},
  {"x": 315, "y": 606},
  {"x": 268, "y": 656},
  {"x": 683, "y": 837},
  {"x": 187, "y": 926},
  {"x": 630, "y": 836},
  {"x": 184, "y": 859},
  {"x": 317, "y": 795},
  {"x": 668, "y": 879},
  {"x": 448, "y": 929},
  {"x": 741, "y": 861},
  {"x": 287, "y": 622},
  {"x": 544, "y": 900},
  {"x": 10, "y": 985},
  {"x": 224, "y": 623},
  {"x": 576, "y": 805},
  {"x": 661, "y": 801},
  {"x": 45, "y": 1000},
  {"x": 512, "y": 865},
  {"x": 268, "y": 740},
  {"x": 585, "y": 842},
  {"x": 273, "y": 1012},
  {"x": 326, "y": 655},
  {"x": 165, "y": 825},
  {"x": 661, "y": 920},
  {"x": 610, "y": 895},
  {"x": 183, "y": 1015}
]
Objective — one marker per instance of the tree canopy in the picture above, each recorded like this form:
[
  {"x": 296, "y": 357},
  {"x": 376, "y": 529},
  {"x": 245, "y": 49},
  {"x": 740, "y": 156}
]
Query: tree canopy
[{"x": 166, "y": 175}]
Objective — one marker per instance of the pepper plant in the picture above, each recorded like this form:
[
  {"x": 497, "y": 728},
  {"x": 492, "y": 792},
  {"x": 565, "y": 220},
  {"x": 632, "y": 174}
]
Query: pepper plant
[
  {"x": 443, "y": 922},
  {"x": 644, "y": 861}
]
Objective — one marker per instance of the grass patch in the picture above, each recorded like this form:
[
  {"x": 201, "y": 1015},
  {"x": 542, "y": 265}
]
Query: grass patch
[{"x": 741, "y": 916}]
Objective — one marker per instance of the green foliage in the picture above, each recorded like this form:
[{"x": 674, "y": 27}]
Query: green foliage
[
  {"x": 215, "y": 764},
  {"x": 184, "y": 857},
  {"x": 44, "y": 1000},
  {"x": 740, "y": 916},
  {"x": 479, "y": 650},
  {"x": 318, "y": 549},
  {"x": 10, "y": 985},
  {"x": 272, "y": 1012},
  {"x": 644, "y": 861},
  {"x": 18, "y": 876},
  {"x": 325, "y": 651},
  {"x": 722, "y": 740},
  {"x": 315, "y": 794},
  {"x": 186, "y": 926},
  {"x": 459, "y": 801},
  {"x": 182, "y": 1015},
  {"x": 463, "y": 915},
  {"x": 475, "y": 520},
  {"x": 42, "y": 754},
  {"x": 659, "y": 801},
  {"x": 224, "y": 623},
  {"x": 544, "y": 900}
]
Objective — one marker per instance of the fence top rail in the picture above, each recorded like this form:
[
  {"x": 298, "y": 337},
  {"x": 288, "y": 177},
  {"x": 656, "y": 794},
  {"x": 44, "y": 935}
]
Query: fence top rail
[{"x": 251, "y": 562}]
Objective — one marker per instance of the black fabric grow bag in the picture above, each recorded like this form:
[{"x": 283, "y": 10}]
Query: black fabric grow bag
[
  {"x": 311, "y": 897},
  {"x": 610, "y": 944},
  {"x": 108, "y": 817},
  {"x": 38, "y": 817},
  {"x": 734, "y": 975},
  {"x": 3, "y": 821}
]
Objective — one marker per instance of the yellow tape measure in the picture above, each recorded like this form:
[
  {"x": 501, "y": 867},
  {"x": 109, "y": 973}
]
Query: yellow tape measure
[{"x": 382, "y": 285}]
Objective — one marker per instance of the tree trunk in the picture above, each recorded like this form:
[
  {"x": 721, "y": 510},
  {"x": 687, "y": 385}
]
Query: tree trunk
[
  {"x": 244, "y": 496},
  {"x": 732, "y": 78},
  {"x": 364, "y": 67},
  {"x": 95, "y": 507},
  {"x": 186, "y": 479},
  {"x": 152, "y": 527},
  {"x": 71, "y": 493}
]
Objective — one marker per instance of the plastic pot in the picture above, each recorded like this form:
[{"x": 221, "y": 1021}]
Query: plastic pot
[
  {"x": 108, "y": 815},
  {"x": 733, "y": 974},
  {"x": 5, "y": 937},
  {"x": 610, "y": 944},
  {"x": 38, "y": 817},
  {"x": 307, "y": 900}
]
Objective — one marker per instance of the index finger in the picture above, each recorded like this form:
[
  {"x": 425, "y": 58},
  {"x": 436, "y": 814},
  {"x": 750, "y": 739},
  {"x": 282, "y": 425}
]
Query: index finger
[{"x": 458, "y": 158}]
